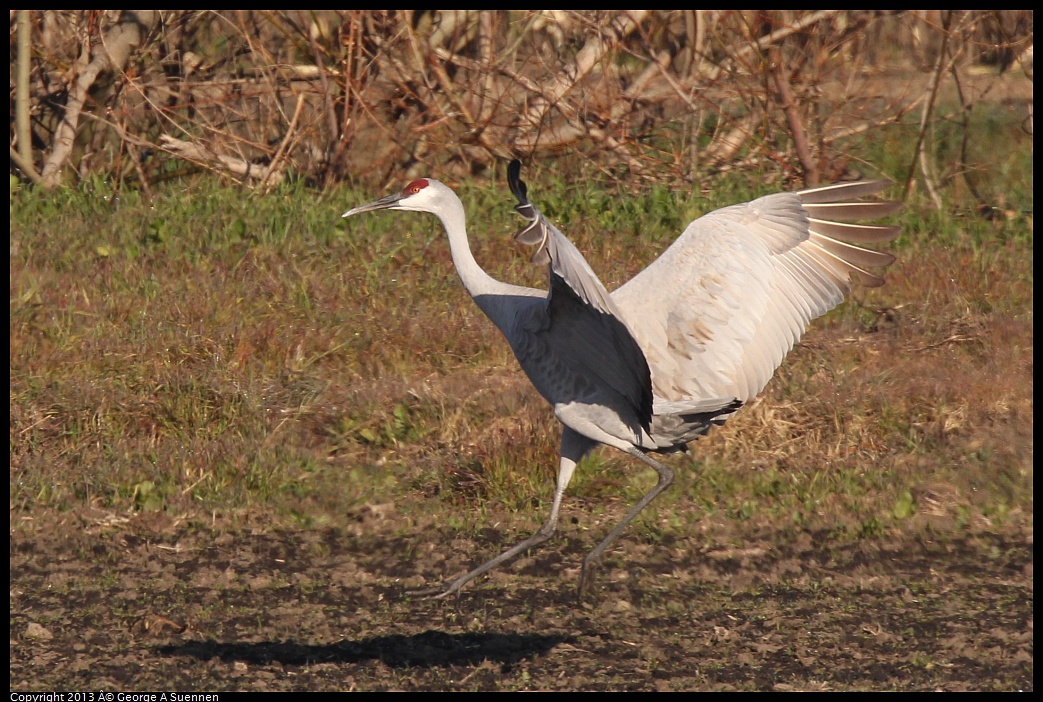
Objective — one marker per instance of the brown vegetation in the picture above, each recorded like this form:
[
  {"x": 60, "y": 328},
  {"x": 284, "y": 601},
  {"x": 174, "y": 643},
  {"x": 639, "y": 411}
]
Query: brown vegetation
[{"x": 367, "y": 96}]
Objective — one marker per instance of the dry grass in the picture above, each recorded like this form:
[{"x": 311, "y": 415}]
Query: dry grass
[{"x": 219, "y": 357}]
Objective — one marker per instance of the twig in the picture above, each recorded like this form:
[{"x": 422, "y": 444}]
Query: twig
[
  {"x": 87, "y": 71},
  {"x": 327, "y": 101},
  {"x": 112, "y": 53},
  {"x": 26, "y": 167},
  {"x": 200, "y": 154},
  {"x": 925, "y": 115},
  {"x": 789, "y": 107},
  {"x": 764, "y": 42},
  {"x": 588, "y": 57},
  {"x": 722, "y": 148},
  {"x": 440, "y": 77},
  {"x": 270, "y": 171},
  {"x": 22, "y": 124}
]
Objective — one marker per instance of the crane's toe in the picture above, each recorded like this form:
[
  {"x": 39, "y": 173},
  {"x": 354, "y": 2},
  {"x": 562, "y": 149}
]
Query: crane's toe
[
  {"x": 587, "y": 576},
  {"x": 437, "y": 592}
]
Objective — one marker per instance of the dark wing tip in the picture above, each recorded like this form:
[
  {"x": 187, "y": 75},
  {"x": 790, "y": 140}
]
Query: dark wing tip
[{"x": 515, "y": 183}]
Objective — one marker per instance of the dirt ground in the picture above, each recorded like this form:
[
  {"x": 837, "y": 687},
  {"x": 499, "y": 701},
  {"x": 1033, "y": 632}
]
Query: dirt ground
[{"x": 103, "y": 603}]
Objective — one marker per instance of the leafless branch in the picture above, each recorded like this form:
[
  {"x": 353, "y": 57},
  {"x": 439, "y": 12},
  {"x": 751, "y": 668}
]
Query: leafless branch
[{"x": 367, "y": 94}]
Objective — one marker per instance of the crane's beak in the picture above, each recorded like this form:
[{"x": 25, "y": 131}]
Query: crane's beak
[{"x": 383, "y": 203}]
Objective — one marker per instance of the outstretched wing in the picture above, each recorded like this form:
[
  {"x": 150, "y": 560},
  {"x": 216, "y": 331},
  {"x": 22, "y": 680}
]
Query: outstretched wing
[
  {"x": 554, "y": 248},
  {"x": 586, "y": 331},
  {"x": 717, "y": 312}
]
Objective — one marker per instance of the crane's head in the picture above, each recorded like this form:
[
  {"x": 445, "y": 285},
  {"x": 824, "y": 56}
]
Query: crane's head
[{"x": 422, "y": 195}]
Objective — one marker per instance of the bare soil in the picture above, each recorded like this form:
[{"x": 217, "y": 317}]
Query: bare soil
[{"x": 99, "y": 602}]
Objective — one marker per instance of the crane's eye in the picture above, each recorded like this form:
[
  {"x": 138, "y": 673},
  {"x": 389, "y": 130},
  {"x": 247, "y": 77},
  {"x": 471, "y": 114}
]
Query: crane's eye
[{"x": 416, "y": 186}]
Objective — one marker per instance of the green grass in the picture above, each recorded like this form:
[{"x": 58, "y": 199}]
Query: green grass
[{"x": 213, "y": 353}]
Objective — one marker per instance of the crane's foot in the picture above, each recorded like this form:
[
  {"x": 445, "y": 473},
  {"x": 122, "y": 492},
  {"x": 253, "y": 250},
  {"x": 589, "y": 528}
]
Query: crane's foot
[
  {"x": 454, "y": 587},
  {"x": 588, "y": 575},
  {"x": 438, "y": 592},
  {"x": 428, "y": 593}
]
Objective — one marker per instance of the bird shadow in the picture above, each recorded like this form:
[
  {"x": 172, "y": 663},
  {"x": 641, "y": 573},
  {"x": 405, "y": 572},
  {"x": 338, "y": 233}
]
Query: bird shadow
[{"x": 424, "y": 650}]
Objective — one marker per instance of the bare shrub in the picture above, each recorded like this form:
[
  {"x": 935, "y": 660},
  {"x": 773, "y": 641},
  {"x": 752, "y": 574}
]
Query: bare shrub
[{"x": 363, "y": 95}]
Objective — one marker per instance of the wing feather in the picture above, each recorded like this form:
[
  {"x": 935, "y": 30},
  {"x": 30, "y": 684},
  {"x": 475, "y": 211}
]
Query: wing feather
[
  {"x": 555, "y": 249},
  {"x": 859, "y": 233},
  {"x": 847, "y": 211},
  {"x": 585, "y": 334},
  {"x": 717, "y": 312}
]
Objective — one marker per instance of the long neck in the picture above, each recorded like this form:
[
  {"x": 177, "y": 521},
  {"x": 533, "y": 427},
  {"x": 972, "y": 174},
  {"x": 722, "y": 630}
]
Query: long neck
[
  {"x": 476, "y": 280},
  {"x": 498, "y": 300}
]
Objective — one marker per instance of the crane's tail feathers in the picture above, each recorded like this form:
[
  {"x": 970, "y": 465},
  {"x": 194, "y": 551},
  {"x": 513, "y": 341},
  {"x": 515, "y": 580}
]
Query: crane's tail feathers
[
  {"x": 712, "y": 406},
  {"x": 675, "y": 423}
]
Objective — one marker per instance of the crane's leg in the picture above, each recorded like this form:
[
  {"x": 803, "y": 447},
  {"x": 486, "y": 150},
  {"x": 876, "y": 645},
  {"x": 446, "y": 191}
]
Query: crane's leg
[
  {"x": 573, "y": 447},
  {"x": 593, "y": 559}
]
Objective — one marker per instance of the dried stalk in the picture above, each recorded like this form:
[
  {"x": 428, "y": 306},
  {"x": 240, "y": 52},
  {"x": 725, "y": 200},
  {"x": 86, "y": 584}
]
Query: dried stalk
[
  {"x": 24, "y": 157},
  {"x": 111, "y": 54},
  {"x": 762, "y": 43},
  {"x": 273, "y": 174},
  {"x": 925, "y": 116},
  {"x": 796, "y": 127},
  {"x": 464, "y": 89},
  {"x": 197, "y": 153},
  {"x": 587, "y": 58}
]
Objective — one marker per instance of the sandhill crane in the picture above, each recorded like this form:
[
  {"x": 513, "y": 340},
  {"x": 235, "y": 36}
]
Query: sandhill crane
[{"x": 682, "y": 345}]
